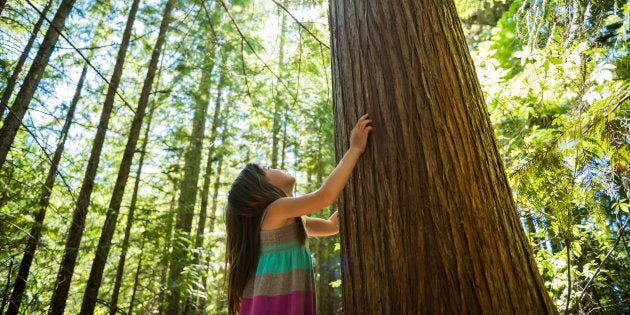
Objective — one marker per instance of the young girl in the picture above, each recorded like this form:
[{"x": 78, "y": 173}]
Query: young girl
[{"x": 269, "y": 267}]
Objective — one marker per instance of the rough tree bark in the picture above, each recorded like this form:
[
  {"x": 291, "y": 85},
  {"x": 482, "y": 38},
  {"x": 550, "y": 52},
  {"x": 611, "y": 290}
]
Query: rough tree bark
[
  {"x": 109, "y": 227},
  {"x": 8, "y": 90},
  {"x": 13, "y": 121},
  {"x": 428, "y": 224}
]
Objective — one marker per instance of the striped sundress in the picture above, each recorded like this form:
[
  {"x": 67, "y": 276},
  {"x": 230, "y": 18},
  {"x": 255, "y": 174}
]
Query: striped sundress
[{"x": 284, "y": 282}]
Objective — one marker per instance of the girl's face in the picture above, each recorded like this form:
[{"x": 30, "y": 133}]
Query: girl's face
[{"x": 280, "y": 179}]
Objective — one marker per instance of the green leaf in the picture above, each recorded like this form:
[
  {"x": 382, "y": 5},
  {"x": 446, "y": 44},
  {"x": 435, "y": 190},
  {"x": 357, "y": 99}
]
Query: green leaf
[
  {"x": 337, "y": 247},
  {"x": 622, "y": 205}
]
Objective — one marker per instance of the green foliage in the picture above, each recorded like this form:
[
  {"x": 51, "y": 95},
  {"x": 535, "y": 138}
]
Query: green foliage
[{"x": 558, "y": 103}]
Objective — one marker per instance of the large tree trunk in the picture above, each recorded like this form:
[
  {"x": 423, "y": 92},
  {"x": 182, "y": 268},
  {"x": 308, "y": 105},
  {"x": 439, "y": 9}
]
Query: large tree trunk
[
  {"x": 75, "y": 231},
  {"x": 428, "y": 221},
  {"x": 8, "y": 90},
  {"x": 43, "y": 202},
  {"x": 13, "y": 121},
  {"x": 188, "y": 189}
]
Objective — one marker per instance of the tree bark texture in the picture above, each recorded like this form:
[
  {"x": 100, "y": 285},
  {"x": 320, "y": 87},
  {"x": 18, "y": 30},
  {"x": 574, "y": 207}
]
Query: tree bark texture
[
  {"x": 428, "y": 224},
  {"x": 14, "y": 119},
  {"x": 8, "y": 90}
]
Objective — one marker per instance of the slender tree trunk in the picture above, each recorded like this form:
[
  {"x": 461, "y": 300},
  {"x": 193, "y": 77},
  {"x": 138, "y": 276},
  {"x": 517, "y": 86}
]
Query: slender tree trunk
[
  {"x": 217, "y": 179},
  {"x": 208, "y": 173},
  {"x": 20, "y": 105},
  {"x": 136, "y": 281},
  {"x": 279, "y": 105},
  {"x": 5, "y": 292},
  {"x": 327, "y": 303},
  {"x": 4, "y": 198},
  {"x": 211, "y": 225},
  {"x": 188, "y": 189},
  {"x": 428, "y": 221},
  {"x": 283, "y": 151},
  {"x": 43, "y": 202},
  {"x": 8, "y": 90},
  {"x": 203, "y": 212},
  {"x": 75, "y": 233},
  {"x": 215, "y": 196},
  {"x": 130, "y": 219},
  {"x": 109, "y": 227},
  {"x": 164, "y": 259}
]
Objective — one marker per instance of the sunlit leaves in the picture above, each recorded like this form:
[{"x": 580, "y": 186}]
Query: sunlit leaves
[{"x": 557, "y": 105}]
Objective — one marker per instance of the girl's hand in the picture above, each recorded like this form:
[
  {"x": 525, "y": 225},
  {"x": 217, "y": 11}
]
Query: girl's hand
[
  {"x": 334, "y": 218},
  {"x": 293, "y": 207},
  {"x": 359, "y": 135}
]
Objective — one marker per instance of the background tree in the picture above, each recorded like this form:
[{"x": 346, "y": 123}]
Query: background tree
[
  {"x": 77, "y": 226},
  {"x": 8, "y": 90},
  {"x": 109, "y": 226},
  {"x": 44, "y": 197},
  {"x": 20, "y": 105}
]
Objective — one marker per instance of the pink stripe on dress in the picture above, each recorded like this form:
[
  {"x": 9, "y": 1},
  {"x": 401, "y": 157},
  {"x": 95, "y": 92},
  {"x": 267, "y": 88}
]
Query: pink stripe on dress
[{"x": 296, "y": 303}]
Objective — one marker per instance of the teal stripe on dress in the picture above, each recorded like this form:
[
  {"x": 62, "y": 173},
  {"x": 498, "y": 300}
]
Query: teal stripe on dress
[
  {"x": 280, "y": 247},
  {"x": 284, "y": 261}
]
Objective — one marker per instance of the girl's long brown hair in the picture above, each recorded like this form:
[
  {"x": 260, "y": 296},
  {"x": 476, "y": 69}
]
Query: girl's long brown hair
[{"x": 248, "y": 198}]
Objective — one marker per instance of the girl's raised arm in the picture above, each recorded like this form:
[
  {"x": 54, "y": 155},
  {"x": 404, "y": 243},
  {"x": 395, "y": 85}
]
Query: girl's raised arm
[{"x": 292, "y": 207}]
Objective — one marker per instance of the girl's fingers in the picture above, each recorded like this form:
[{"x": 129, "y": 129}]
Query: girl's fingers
[{"x": 362, "y": 118}]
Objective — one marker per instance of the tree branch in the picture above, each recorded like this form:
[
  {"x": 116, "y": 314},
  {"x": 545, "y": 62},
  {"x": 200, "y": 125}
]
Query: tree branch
[
  {"x": 599, "y": 268},
  {"x": 300, "y": 23},
  {"x": 265, "y": 65},
  {"x": 82, "y": 56}
]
